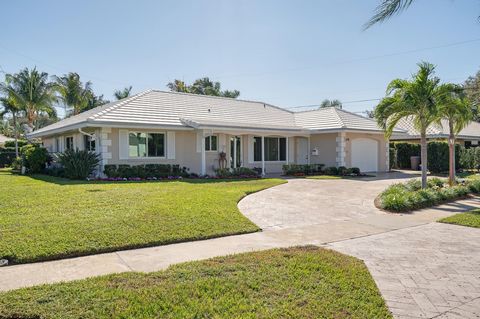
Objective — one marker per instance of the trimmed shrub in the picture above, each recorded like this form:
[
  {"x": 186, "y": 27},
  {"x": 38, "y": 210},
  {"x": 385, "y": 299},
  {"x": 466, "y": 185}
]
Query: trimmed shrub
[
  {"x": 78, "y": 164},
  {"x": 332, "y": 170},
  {"x": 409, "y": 196},
  {"x": 392, "y": 156},
  {"x": 470, "y": 158},
  {"x": 354, "y": 171},
  {"x": 110, "y": 170},
  {"x": 6, "y": 158},
  {"x": 342, "y": 170},
  {"x": 404, "y": 151},
  {"x": 17, "y": 164},
  {"x": 305, "y": 169},
  {"x": 11, "y": 144},
  {"x": 236, "y": 172},
  {"x": 35, "y": 158}
]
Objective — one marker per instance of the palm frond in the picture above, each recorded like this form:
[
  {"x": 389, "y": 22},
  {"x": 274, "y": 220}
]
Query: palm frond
[{"x": 386, "y": 9}]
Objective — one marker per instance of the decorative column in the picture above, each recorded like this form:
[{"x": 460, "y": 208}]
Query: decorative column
[
  {"x": 287, "y": 150},
  {"x": 203, "y": 168},
  {"x": 263, "y": 155},
  {"x": 341, "y": 141},
  {"x": 102, "y": 148},
  {"x": 387, "y": 153}
]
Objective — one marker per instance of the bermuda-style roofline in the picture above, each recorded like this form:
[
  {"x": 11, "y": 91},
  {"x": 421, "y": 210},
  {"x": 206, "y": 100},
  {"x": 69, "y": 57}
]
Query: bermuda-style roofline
[{"x": 185, "y": 111}]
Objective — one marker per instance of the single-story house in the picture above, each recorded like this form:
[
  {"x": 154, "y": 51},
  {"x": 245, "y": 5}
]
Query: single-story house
[
  {"x": 469, "y": 136},
  {"x": 195, "y": 130}
]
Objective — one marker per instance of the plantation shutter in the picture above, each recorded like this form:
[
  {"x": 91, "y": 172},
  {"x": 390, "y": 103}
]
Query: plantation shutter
[
  {"x": 123, "y": 144},
  {"x": 171, "y": 145},
  {"x": 250, "y": 149}
]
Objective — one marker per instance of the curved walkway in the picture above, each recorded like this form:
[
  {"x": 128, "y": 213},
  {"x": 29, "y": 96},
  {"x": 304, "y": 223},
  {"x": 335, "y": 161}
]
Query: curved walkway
[{"x": 423, "y": 269}]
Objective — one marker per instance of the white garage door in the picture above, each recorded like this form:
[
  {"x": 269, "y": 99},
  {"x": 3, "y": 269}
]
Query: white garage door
[{"x": 365, "y": 154}]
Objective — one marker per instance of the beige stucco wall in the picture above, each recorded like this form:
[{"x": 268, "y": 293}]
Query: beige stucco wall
[
  {"x": 326, "y": 145},
  {"x": 382, "y": 148}
]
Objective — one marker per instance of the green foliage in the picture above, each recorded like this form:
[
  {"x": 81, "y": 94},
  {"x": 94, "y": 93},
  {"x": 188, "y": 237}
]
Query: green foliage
[
  {"x": 332, "y": 170},
  {"x": 404, "y": 151},
  {"x": 17, "y": 164},
  {"x": 409, "y": 196},
  {"x": 235, "y": 172},
  {"x": 392, "y": 156},
  {"x": 6, "y": 158},
  {"x": 296, "y": 282},
  {"x": 470, "y": 158},
  {"x": 342, "y": 170},
  {"x": 78, "y": 164},
  {"x": 11, "y": 144},
  {"x": 353, "y": 171},
  {"x": 305, "y": 169},
  {"x": 35, "y": 158},
  {"x": 438, "y": 155},
  {"x": 469, "y": 219},
  {"x": 93, "y": 217},
  {"x": 203, "y": 86},
  {"x": 145, "y": 171}
]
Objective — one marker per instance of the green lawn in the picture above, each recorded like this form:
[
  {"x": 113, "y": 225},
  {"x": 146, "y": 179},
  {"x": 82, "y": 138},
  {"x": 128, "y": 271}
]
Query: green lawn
[
  {"x": 470, "y": 219},
  {"x": 43, "y": 217},
  {"x": 301, "y": 282}
]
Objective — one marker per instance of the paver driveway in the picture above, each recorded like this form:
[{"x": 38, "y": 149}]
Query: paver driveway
[{"x": 423, "y": 269}]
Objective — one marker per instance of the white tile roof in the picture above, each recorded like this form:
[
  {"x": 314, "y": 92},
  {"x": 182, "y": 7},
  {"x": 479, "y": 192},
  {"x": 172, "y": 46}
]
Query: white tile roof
[
  {"x": 435, "y": 131},
  {"x": 171, "y": 109}
]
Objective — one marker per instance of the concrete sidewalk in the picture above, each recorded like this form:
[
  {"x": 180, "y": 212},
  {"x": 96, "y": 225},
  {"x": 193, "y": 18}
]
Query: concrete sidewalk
[{"x": 158, "y": 258}]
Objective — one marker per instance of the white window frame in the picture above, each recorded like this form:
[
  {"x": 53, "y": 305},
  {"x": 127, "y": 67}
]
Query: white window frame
[
  {"x": 209, "y": 139},
  {"x": 265, "y": 150},
  {"x": 66, "y": 144},
  {"x": 146, "y": 156}
]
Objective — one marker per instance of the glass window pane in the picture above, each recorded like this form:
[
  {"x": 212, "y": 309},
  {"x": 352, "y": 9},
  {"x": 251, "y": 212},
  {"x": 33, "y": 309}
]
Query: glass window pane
[
  {"x": 283, "y": 149},
  {"x": 213, "y": 143},
  {"x": 156, "y": 145},
  {"x": 207, "y": 143},
  {"x": 137, "y": 144},
  {"x": 271, "y": 149},
  {"x": 257, "y": 149}
]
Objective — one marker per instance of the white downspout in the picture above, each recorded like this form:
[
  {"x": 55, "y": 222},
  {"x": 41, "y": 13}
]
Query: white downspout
[
  {"x": 286, "y": 146},
  {"x": 203, "y": 169}
]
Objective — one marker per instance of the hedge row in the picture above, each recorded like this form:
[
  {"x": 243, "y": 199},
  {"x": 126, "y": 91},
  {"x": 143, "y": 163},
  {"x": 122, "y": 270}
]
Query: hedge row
[
  {"x": 437, "y": 155},
  {"x": 145, "y": 171}
]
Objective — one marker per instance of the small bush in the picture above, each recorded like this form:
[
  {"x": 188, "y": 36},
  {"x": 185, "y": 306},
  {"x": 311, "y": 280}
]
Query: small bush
[
  {"x": 354, "y": 171},
  {"x": 11, "y": 144},
  {"x": 110, "y": 170},
  {"x": 342, "y": 170},
  {"x": 17, "y": 164},
  {"x": 474, "y": 186},
  {"x": 35, "y": 158},
  {"x": 332, "y": 170},
  {"x": 235, "y": 172},
  {"x": 6, "y": 158},
  {"x": 78, "y": 164},
  {"x": 409, "y": 196},
  {"x": 144, "y": 171},
  {"x": 305, "y": 169}
]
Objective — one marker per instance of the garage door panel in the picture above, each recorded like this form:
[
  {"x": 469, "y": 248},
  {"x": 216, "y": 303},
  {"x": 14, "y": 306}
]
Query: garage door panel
[{"x": 364, "y": 154}]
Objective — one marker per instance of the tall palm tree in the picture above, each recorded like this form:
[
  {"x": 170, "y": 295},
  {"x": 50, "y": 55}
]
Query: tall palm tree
[
  {"x": 9, "y": 106},
  {"x": 416, "y": 98},
  {"x": 121, "y": 94},
  {"x": 457, "y": 110},
  {"x": 32, "y": 92},
  {"x": 73, "y": 92}
]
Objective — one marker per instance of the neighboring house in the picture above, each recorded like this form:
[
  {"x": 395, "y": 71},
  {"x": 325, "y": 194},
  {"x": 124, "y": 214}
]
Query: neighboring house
[
  {"x": 4, "y": 139},
  {"x": 191, "y": 130},
  {"x": 469, "y": 136}
]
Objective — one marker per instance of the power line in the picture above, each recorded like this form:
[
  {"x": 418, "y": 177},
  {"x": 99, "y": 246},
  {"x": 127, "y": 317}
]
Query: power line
[{"x": 452, "y": 44}]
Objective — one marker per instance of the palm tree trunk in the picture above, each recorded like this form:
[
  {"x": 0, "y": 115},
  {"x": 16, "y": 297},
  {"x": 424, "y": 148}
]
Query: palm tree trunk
[
  {"x": 451, "y": 153},
  {"x": 423, "y": 157},
  {"x": 15, "y": 132}
]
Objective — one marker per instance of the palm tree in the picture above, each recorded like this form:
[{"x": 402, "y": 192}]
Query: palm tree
[
  {"x": 9, "y": 106},
  {"x": 457, "y": 110},
  {"x": 121, "y": 94},
  {"x": 32, "y": 92},
  {"x": 73, "y": 92},
  {"x": 178, "y": 86},
  {"x": 331, "y": 103},
  {"x": 416, "y": 98},
  {"x": 386, "y": 9}
]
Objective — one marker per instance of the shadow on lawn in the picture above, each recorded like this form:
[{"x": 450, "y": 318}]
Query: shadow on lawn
[{"x": 65, "y": 181}]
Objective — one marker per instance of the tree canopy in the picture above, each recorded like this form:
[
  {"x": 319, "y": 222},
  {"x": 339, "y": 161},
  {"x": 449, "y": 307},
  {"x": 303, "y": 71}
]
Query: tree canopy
[
  {"x": 122, "y": 94},
  {"x": 331, "y": 103},
  {"x": 203, "y": 86}
]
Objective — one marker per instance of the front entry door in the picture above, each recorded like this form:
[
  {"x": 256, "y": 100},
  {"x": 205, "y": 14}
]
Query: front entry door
[
  {"x": 302, "y": 150},
  {"x": 235, "y": 152}
]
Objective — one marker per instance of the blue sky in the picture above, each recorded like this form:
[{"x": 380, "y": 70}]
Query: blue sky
[{"x": 288, "y": 53}]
